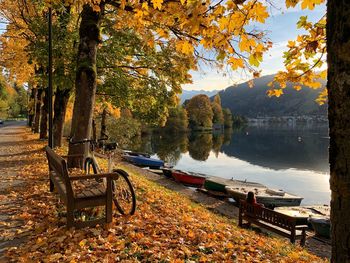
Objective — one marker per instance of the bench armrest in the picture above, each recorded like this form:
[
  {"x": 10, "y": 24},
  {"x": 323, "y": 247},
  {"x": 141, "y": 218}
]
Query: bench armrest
[
  {"x": 94, "y": 176},
  {"x": 301, "y": 227}
]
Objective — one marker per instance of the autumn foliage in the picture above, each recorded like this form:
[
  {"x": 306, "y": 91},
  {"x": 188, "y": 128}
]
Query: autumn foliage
[{"x": 167, "y": 226}]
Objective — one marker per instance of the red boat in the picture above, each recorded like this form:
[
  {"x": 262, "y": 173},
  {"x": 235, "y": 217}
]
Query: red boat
[{"x": 189, "y": 178}]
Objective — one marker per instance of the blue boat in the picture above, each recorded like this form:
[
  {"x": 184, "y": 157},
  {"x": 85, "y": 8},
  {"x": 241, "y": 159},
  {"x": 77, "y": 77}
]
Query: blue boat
[{"x": 144, "y": 161}]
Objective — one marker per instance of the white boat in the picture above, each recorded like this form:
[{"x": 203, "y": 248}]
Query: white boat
[{"x": 266, "y": 196}]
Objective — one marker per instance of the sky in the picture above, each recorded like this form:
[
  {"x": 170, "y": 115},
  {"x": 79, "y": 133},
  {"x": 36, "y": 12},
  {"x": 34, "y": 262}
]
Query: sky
[{"x": 281, "y": 27}]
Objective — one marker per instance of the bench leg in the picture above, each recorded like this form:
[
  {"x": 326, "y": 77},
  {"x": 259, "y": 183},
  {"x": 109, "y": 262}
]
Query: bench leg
[
  {"x": 303, "y": 238},
  {"x": 292, "y": 236},
  {"x": 240, "y": 220},
  {"x": 109, "y": 200},
  {"x": 70, "y": 217},
  {"x": 51, "y": 186}
]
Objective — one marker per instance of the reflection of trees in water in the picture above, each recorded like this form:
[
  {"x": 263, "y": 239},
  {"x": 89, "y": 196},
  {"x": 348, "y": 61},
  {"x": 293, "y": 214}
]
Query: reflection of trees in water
[
  {"x": 227, "y": 136},
  {"x": 281, "y": 147},
  {"x": 218, "y": 140},
  {"x": 200, "y": 146},
  {"x": 170, "y": 146}
]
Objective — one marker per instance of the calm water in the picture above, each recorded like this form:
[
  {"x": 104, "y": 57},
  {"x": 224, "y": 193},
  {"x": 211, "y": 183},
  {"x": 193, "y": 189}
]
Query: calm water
[{"x": 293, "y": 158}]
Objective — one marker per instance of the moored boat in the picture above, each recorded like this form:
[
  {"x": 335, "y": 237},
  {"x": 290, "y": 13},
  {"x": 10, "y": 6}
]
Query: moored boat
[
  {"x": 218, "y": 184},
  {"x": 143, "y": 161},
  {"x": 321, "y": 226},
  {"x": 189, "y": 178},
  {"x": 268, "y": 197}
]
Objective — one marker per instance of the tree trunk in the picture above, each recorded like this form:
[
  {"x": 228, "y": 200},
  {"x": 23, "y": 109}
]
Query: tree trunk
[
  {"x": 44, "y": 115},
  {"x": 103, "y": 131},
  {"x": 338, "y": 47},
  {"x": 85, "y": 82},
  {"x": 31, "y": 106},
  {"x": 37, "y": 110},
  {"x": 60, "y": 108}
]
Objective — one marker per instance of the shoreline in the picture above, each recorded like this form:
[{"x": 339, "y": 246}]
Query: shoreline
[{"x": 313, "y": 244}]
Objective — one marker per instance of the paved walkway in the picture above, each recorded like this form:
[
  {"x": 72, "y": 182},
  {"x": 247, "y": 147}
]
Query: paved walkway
[{"x": 12, "y": 153}]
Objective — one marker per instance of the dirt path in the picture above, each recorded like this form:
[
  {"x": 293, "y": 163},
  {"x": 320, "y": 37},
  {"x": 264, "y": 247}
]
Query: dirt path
[
  {"x": 318, "y": 247},
  {"x": 12, "y": 139}
]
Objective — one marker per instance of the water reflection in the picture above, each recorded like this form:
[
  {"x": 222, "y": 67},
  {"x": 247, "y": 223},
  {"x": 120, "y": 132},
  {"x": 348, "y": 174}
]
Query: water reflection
[
  {"x": 273, "y": 147},
  {"x": 293, "y": 158}
]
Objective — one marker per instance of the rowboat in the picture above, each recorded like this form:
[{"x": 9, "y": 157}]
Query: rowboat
[
  {"x": 143, "y": 161},
  {"x": 322, "y": 226},
  {"x": 167, "y": 172},
  {"x": 317, "y": 216},
  {"x": 218, "y": 184},
  {"x": 189, "y": 178},
  {"x": 127, "y": 152},
  {"x": 266, "y": 196}
]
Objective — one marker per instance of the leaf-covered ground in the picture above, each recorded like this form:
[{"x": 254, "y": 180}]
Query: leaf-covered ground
[{"x": 167, "y": 226}]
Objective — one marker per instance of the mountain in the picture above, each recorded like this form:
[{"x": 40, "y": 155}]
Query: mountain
[
  {"x": 188, "y": 94},
  {"x": 253, "y": 102}
]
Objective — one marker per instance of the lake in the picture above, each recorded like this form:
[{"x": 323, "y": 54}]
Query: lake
[{"x": 293, "y": 158}]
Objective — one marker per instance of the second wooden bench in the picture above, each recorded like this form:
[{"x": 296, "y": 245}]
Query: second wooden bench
[{"x": 279, "y": 223}]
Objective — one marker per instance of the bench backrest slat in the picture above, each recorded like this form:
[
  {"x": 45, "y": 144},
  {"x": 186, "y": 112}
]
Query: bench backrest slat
[
  {"x": 268, "y": 215},
  {"x": 59, "y": 166}
]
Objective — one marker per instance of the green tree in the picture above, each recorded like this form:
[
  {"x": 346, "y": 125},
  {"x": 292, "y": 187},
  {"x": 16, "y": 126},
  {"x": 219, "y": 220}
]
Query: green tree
[
  {"x": 200, "y": 112},
  {"x": 177, "y": 121},
  {"x": 227, "y": 118}
]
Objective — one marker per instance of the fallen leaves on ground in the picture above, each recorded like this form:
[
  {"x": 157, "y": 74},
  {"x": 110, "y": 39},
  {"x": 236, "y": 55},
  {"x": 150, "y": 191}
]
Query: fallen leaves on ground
[{"x": 167, "y": 227}]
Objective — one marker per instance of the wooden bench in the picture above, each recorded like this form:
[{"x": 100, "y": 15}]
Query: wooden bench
[
  {"x": 92, "y": 193},
  {"x": 281, "y": 224}
]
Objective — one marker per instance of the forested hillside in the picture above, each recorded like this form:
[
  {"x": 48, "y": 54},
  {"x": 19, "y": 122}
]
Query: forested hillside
[{"x": 253, "y": 102}]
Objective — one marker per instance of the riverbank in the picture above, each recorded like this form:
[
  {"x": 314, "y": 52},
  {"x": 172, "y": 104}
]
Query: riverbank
[{"x": 167, "y": 226}]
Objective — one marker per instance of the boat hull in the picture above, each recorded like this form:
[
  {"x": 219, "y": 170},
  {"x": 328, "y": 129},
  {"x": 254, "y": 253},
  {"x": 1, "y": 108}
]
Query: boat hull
[
  {"x": 188, "y": 178},
  {"x": 267, "y": 200},
  {"x": 218, "y": 184},
  {"x": 144, "y": 161},
  {"x": 322, "y": 227}
]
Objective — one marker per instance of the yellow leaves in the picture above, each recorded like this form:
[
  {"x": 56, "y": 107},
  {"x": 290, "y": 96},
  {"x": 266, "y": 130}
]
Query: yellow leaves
[
  {"x": 246, "y": 43},
  {"x": 184, "y": 47},
  {"x": 275, "y": 92},
  {"x": 291, "y": 3},
  {"x": 259, "y": 12},
  {"x": 297, "y": 87},
  {"x": 310, "y": 4},
  {"x": 157, "y": 4},
  {"x": 167, "y": 226},
  {"x": 255, "y": 59},
  {"x": 322, "y": 97},
  {"x": 235, "y": 63}
]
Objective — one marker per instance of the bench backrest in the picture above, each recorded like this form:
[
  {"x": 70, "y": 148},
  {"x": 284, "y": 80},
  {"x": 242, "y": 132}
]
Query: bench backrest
[
  {"x": 59, "y": 166},
  {"x": 267, "y": 215}
]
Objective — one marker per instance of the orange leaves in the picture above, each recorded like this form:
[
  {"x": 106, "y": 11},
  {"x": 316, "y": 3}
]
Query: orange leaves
[
  {"x": 184, "y": 47},
  {"x": 275, "y": 92},
  {"x": 310, "y": 4},
  {"x": 167, "y": 227},
  {"x": 157, "y": 4}
]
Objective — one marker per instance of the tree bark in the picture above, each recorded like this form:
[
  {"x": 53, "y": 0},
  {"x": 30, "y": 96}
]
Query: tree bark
[
  {"x": 103, "y": 131},
  {"x": 60, "y": 109},
  {"x": 338, "y": 48},
  {"x": 44, "y": 115},
  {"x": 37, "y": 110},
  {"x": 31, "y": 106},
  {"x": 85, "y": 83}
]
